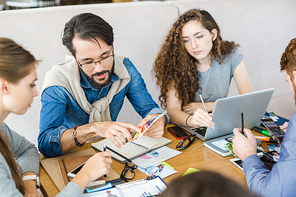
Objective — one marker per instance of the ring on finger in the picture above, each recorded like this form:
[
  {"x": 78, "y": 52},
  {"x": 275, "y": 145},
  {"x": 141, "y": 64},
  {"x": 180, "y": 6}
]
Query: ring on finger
[{"x": 187, "y": 109}]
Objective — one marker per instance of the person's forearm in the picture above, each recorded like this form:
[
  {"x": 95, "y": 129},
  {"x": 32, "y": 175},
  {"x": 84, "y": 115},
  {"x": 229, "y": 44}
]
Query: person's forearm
[
  {"x": 30, "y": 184},
  {"x": 209, "y": 106},
  {"x": 84, "y": 133},
  {"x": 82, "y": 180},
  {"x": 256, "y": 174},
  {"x": 177, "y": 116}
]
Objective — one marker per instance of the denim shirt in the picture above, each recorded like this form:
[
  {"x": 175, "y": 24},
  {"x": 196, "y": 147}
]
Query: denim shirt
[
  {"x": 60, "y": 111},
  {"x": 281, "y": 180}
]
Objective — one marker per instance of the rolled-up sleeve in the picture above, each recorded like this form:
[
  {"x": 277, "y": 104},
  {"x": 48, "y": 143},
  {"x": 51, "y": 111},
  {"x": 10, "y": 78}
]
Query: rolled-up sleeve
[{"x": 51, "y": 125}]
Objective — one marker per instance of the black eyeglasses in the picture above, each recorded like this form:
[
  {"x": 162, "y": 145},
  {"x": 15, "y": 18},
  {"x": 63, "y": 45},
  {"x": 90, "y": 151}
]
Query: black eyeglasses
[
  {"x": 186, "y": 142},
  {"x": 128, "y": 172},
  {"x": 104, "y": 61}
]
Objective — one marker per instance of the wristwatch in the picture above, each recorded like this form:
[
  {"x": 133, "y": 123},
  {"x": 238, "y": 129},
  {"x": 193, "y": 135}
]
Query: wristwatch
[{"x": 32, "y": 177}]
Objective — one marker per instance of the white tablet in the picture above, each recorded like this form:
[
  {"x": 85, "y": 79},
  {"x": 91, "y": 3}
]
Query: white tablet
[
  {"x": 218, "y": 145},
  {"x": 237, "y": 162}
]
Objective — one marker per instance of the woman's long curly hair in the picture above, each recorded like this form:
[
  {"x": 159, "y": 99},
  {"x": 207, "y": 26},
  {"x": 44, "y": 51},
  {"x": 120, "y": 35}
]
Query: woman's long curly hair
[{"x": 175, "y": 68}]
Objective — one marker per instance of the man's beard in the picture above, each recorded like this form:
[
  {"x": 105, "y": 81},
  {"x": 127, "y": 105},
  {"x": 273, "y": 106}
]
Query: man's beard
[{"x": 92, "y": 81}]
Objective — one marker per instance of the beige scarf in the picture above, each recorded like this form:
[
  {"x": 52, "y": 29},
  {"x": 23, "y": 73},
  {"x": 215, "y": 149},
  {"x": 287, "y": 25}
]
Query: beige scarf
[{"x": 67, "y": 75}]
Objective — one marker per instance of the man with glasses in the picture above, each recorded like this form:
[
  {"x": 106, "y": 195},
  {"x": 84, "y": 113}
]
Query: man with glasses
[{"x": 81, "y": 98}]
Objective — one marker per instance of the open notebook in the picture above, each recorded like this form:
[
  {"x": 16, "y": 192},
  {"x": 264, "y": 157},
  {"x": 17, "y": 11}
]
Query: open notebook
[{"x": 132, "y": 149}]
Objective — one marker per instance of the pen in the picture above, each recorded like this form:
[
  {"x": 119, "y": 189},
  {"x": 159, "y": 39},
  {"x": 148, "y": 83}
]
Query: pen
[
  {"x": 127, "y": 159},
  {"x": 205, "y": 108},
  {"x": 261, "y": 130},
  {"x": 266, "y": 139},
  {"x": 104, "y": 151},
  {"x": 242, "y": 119}
]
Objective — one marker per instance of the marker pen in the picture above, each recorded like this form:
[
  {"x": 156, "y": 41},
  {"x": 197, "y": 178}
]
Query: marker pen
[
  {"x": 261, "y": 130},
  {"x": 266, "y": 139}
]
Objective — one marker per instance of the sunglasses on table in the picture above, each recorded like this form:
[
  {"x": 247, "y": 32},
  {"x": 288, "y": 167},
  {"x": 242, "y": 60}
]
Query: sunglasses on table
[{"x": 186, "y": 142}]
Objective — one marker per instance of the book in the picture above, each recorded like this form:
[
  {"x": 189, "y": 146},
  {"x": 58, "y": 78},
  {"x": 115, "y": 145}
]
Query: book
[
  {"x": 140, "y": 187},
  {"x": 132, "y": 149},
  {"x": 66, "y": 165}
]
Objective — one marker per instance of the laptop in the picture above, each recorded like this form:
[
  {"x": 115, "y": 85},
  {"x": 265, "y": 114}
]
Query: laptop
[{"x": 227, "y": 114}]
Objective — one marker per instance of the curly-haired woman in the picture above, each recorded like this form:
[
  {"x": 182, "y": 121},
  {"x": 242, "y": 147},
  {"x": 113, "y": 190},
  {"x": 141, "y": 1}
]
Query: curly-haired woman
[{"x": 194, "y": 59}]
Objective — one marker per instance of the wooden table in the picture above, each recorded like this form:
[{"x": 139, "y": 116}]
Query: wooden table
[{"x": 200, "y": 158}]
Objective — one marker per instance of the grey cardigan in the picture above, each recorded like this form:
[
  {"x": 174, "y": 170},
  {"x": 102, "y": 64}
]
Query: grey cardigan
[{"x": 28, "y": 159}]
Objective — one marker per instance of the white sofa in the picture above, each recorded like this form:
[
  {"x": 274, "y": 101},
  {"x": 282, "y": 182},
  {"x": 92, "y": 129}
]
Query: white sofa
[{"x": 263, "y": 29}]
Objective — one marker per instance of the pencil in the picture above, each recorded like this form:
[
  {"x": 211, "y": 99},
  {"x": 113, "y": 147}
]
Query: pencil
[
  {"x": 205, "y": 108},
  {"x": 127, "y": 159},
  {"x": 242, "y": 119},
  {"x": 104, "y": 151}
]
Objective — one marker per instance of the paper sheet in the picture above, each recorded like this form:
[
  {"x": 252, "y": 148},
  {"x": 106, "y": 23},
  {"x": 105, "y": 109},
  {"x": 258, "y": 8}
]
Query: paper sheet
[{"x": 156, "y": 156}]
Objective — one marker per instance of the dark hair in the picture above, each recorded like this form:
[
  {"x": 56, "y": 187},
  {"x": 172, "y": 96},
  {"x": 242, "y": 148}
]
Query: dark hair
[
  {"x": 174, "y": 65},
  {"x": 15, "y": 64},
  {"x": 204, "y": 184},
  {"x": 87, "y": 26}
]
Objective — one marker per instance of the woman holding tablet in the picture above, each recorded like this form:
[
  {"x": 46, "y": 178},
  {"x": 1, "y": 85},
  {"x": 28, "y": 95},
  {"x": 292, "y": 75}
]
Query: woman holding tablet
[{"x": 194, "y": 63}]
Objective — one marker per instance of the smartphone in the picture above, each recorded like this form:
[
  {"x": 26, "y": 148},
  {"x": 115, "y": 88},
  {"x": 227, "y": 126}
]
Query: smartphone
[
  {"x": 178, "y": 132},
  {"x": 273, "y": 128},
  {"x": 73, "y": 173},
  {"x": 268, "y": 160}
]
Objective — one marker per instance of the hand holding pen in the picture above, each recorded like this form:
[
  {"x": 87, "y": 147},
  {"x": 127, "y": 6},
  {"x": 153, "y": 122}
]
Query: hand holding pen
[
  {"x": 105, "y": 148},
  {"x": 242, "y": 119},
  {"x": 205, "y": 108}
]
